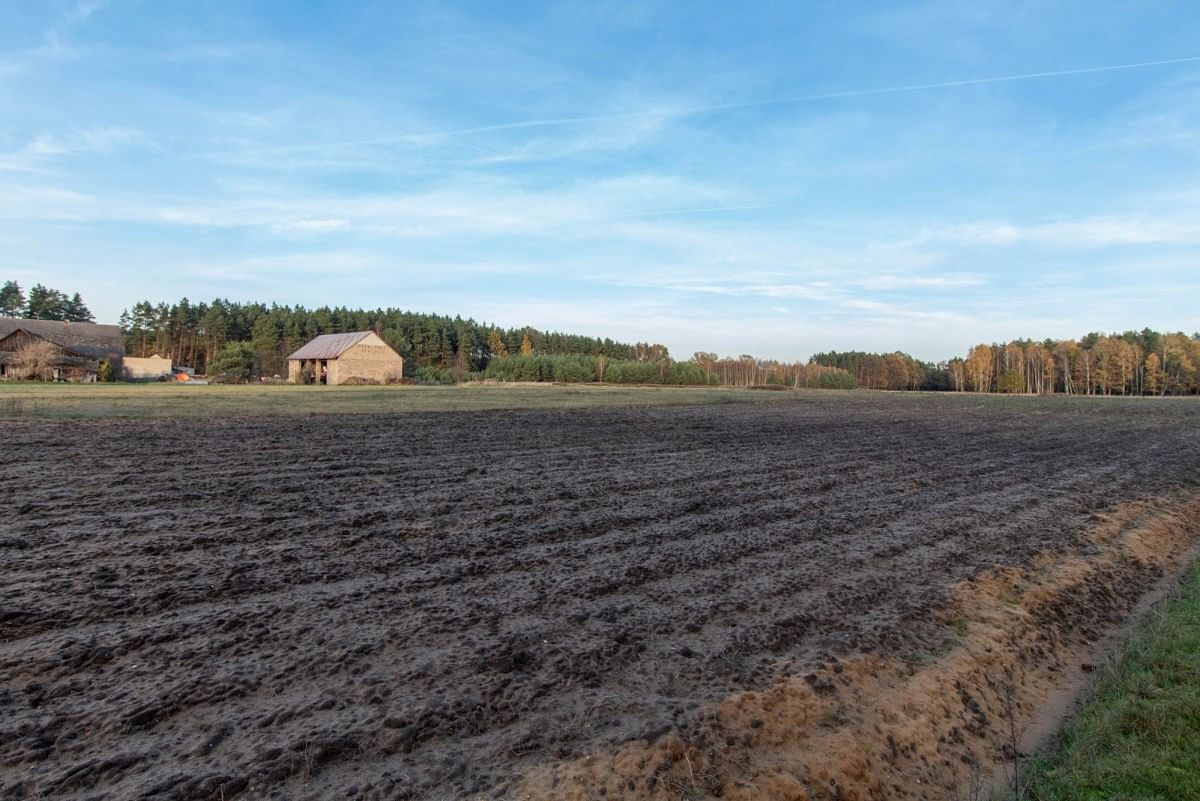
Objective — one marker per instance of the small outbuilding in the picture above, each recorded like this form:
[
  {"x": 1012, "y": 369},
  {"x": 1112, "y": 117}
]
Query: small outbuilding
[
  {"x": 150, "y": 368},
  {"x": 360, "y": 357}
]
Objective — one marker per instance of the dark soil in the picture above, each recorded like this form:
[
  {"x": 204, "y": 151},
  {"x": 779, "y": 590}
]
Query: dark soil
[{"x": 427, "y": 605}]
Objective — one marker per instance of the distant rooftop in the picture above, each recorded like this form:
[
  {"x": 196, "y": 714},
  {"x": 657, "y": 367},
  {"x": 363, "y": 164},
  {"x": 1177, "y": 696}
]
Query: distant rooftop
[
  {"x": 330, "y": 346},
  {"x": 84, "y": 339}
]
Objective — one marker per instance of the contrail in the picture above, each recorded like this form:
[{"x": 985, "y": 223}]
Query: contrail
[
  {"x": 695, "y": 110},
  {"x": 918, "y": 87},
  {"x": 417, "y": 137}
]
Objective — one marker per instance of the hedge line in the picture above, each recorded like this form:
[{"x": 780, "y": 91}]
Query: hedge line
[{"x": 586, "y": 369}]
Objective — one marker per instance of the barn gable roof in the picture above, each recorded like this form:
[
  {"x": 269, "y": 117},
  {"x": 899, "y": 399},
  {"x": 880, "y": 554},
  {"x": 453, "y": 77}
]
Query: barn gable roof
[
  {"x": 83, "y": 339},
  {"x": 330, "y": 346}
]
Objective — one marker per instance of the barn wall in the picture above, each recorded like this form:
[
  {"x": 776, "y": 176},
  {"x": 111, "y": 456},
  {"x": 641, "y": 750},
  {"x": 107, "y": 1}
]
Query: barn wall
[
  {"x": 148, "y": 368},
  {"x": 19, "y": 339},
  {"x": 372, "y": 359},
  {"x": 64, "y": 366}
]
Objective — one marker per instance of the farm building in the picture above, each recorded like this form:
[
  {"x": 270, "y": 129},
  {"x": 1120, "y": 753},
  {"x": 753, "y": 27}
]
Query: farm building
[
  {"x": 149, "y": 368},
  {"x": 354, "y": 358},
  {"x": 58, "y": 351}
]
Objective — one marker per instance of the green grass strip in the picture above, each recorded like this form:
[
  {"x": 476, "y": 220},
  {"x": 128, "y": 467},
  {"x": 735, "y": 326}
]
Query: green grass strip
[
  {"x": 1139, "y": 738},
  {"x": 30, "y": 401}
]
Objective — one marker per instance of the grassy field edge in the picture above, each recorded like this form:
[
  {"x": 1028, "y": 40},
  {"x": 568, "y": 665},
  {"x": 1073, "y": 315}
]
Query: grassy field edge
[
  {"x": 1139, "y": 735},
  {"x": 135, "y": 401},
  {"x": 30, "y": 401}
]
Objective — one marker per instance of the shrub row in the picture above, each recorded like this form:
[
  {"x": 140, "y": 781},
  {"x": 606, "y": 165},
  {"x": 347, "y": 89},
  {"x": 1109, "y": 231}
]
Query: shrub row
[{"x": 586, "y": 369}]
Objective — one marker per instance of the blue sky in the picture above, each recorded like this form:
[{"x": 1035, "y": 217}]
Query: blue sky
[{"x": 772, "y": 179}]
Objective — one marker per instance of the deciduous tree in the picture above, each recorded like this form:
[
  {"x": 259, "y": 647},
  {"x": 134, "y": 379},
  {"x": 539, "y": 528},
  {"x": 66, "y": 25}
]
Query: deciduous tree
[
  {"x": 495, "y": 344},
  {"x": 979, "y": 368},
  {"x": 1153, "y": 375},
  {"x": 34, "y": 361}
]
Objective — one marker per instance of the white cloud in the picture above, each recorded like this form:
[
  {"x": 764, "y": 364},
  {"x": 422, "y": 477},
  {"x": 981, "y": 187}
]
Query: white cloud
[
  {"x": 499, "y": 208},
  {"x": 312, "y": 226},
  {"x": 1082, "y": 233},
  {"x": 55, "y": 44},
  {"x": 269, "y": 271},
  {"x": 892, "y": 281}
]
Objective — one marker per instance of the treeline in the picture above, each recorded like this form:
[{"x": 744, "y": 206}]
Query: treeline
[
  {"x": 439, "y": 348},
  {"x": 1142, "y": 362},
  {"x": 703, "y": 369},
  {"x": 578, "y": 369},
  {"x": 43, "y": 303},
  {"x": 748, "y": 371},
  {"x": 895, "y": 371},
  {"x": 436, "y": 347}
]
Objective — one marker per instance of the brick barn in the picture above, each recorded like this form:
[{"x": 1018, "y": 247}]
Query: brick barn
[
  {"x": 360, "y": 357},
  {"x": 75, "y": 350}
]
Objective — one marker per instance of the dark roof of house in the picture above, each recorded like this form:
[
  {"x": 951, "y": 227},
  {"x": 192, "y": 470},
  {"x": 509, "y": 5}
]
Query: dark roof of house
[
  {"x": 84, "y": 339},
  {"x": 330, "y": 346}
]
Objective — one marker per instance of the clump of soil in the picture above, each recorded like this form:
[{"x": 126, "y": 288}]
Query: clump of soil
[{"x": 442, "y": 605}]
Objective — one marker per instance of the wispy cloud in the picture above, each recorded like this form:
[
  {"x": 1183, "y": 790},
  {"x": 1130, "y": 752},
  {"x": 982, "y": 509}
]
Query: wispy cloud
[
  {"x": 1097, "y": 232},
  {"x": 896, "y": 281},
  {"x": 269, "y": 270},
  {"x": 426, "y": 138},
  {"x": 45, "y": 147},
  {"x": 56, "y": 43},
  {"x": 497, "y": 208},
  {"x": 666, "y": 114},
  {"x": 312, "y": 226}
]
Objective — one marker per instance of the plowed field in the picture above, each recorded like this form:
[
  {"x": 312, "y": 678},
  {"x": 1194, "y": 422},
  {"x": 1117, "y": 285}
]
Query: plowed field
[{"x": 430, "y": 605}]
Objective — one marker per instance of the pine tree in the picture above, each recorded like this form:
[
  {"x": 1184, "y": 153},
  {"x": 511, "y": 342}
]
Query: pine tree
[
  {"x": 467, "y": 354},
  {"x": 235, "y": 364},
  {"x": 526, "y": 346},
  {"x": 196, "y": 333},
  {"x": 445, "y": 357},
  {"x": 76, "y": 311},
  {"x": 181, "y": 325},
  {"x": 214, "y": 330},
  {"x": 12, "y": 300},
  {"x": 265, "y": 343},
  {"x": 46, "y": 304}
]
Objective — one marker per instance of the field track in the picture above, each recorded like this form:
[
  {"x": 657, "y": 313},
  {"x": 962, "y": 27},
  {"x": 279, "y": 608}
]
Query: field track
[{"x": 431, "y": 605}]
